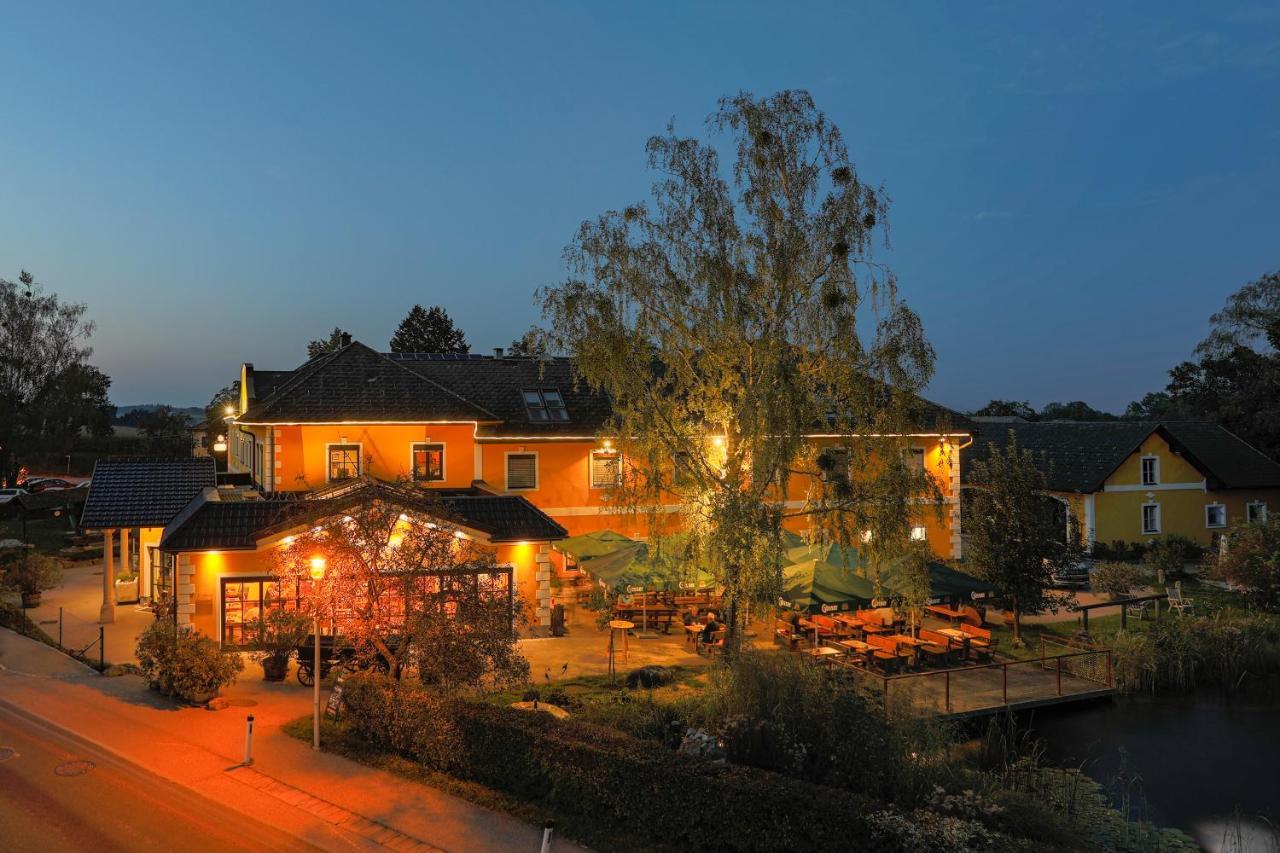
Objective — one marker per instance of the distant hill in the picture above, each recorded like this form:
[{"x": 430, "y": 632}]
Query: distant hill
[{"x": 127, "y": 416}]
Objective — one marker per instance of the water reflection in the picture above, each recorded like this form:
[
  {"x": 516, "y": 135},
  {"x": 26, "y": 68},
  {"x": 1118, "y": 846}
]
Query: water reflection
[{"x": 1200, "y": 762}]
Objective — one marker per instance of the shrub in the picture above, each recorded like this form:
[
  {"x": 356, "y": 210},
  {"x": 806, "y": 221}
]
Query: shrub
[
  {"x": 1119, "y": 550},
  {"x": 184, "y": 663},
  {"x": 603, "y": 785},
  {"x": 31, "y": 573},
  {"x": 1171, "y": 554},
  {"x": 1116, "y": 579},
  {"x": 1224, "y": 651},
  {"x": 1252, "y": 561}
]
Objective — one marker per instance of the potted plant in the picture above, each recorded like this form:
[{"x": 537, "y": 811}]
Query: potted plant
[
  {"x": 184, "y": 663},
  {"x": 277, "y": 636},
  {"x": 31, "y": 575},
  {"x": 127, "y": 588}
]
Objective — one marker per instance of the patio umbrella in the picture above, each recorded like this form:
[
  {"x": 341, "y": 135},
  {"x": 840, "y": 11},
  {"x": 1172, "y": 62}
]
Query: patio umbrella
[
  {"x": 625, "y": 567},
  {"x": 824, "y": 579},
  {"x": 944, "y": 581},
  {"x": 598, "y": 543}
]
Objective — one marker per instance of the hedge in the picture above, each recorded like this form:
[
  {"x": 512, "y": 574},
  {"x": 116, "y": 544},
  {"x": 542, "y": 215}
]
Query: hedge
[{"x": 596, "y": 778}]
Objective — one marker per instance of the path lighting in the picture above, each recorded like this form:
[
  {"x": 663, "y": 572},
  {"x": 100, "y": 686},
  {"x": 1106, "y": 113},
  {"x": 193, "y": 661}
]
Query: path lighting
[{"x": 317, "y": 566}]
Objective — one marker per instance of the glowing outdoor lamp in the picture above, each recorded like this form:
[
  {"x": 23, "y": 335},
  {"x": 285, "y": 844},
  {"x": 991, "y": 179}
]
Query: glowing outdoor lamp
[
  {"x": 316, "y": 569},
  {"x": 718, "y": 441},
  {"x": 220, "y": 444},
  {"x": 229, "y": 410}
]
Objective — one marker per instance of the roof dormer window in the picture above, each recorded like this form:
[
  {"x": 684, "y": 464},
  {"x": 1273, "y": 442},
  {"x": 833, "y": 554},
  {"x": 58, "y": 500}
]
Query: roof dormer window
[{"x": 544, "y": 404}]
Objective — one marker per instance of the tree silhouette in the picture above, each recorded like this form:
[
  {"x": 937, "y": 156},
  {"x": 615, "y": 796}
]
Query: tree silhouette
[{"x": 428, "y": 330}]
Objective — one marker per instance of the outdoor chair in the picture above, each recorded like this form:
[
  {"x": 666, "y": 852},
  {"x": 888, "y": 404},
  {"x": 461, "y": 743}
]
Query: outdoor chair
[
  {"x": 716, "y": 643},
  {"x": 1138, "y": 610},
  {"x": 1177, "y": 602},
  {"x": 785, "y": 635},
  {"x": 981, "y": 644},
  {"x": 940, "y": 648}
]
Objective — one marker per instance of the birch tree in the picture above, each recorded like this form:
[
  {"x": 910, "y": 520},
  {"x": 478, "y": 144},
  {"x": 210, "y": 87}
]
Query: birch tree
[{"x": 733, "y": 316}]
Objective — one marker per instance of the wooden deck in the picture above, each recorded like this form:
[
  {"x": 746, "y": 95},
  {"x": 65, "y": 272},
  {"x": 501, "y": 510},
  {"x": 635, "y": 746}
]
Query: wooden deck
[{"x": 1009, "y": 685}]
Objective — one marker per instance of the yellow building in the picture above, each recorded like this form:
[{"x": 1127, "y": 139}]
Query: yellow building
[{"x": 1136, "y": 481}]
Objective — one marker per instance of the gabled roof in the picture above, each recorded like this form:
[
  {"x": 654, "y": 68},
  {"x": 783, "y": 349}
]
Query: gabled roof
[
  {"x": 212, "y": 524},
  {"x": 143, "y": 492},
  {"x": 355, "y": 383},
  {"x": 1083, "y": 454}
]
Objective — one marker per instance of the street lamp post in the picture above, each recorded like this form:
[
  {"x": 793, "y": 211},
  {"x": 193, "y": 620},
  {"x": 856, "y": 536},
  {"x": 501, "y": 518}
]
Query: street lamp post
[{"x": 317, "y": 574}]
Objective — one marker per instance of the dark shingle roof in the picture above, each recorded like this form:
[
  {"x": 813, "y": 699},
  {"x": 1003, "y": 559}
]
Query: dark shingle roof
[
  {"x": 237, "y": 525},
  {"x": 1082, "y": 454},
  {"x": 355, "y": 383},
  {"x": 143, "y": 492},
  {"x": 496, "y": 385}
]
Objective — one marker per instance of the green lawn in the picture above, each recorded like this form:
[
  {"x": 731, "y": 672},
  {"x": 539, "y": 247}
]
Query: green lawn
[{"x": 1207, "y": 601}]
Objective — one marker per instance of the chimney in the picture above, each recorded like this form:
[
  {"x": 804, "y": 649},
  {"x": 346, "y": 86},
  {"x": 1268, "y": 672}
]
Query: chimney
[
  {"x": 497, "y": 352},
  {"x": 346, "y": 338}
]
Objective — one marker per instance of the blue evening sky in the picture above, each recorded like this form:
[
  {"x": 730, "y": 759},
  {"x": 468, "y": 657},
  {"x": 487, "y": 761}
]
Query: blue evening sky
[{"x": 1076, "y": 186}]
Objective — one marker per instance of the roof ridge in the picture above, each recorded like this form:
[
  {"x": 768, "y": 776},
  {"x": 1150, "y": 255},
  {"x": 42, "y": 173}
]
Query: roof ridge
[{"x": 429, "y": 380}]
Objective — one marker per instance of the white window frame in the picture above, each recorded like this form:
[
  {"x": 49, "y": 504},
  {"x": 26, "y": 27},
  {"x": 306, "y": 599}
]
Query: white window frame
[
  {"x": 444, "y": 461},
  {"x": 591, "y": 470},
  {"x": 1142, "y": 519},
  {"x": 328, "y": 460},
  {"x": 1250, "y": 507},
  {"x": 1155, "y": 470},
  {"x": 1209, "y": 525},
  {"x": 506, "y": 470},
  {"x": 919, "y": 534}
]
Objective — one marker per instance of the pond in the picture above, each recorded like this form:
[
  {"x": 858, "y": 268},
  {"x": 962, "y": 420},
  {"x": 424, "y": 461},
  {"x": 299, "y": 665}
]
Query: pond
[{"x": 1203, "y": 763}]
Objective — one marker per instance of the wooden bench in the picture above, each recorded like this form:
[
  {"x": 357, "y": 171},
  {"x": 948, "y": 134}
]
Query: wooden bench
[
  {"x": 981, "y": 643},
  {"x": 784, "y": 634},
  {"x": 831, "y": 627},
  {"x": 885, "y": 654},
  {"x": 939, "y": 648},
  {"x": 716, "y": 643}
]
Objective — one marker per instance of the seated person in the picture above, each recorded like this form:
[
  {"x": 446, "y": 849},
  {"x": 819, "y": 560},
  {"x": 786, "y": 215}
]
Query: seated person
[
  {"x": 708, "y": 633},
  {"x": 690, "y": 616}
]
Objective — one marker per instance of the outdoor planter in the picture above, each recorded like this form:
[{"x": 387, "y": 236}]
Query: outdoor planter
[
  {"x": 127, "y": 591},
  {"x": 275, "y": 667},
  {"x": 30, "y": 599}
]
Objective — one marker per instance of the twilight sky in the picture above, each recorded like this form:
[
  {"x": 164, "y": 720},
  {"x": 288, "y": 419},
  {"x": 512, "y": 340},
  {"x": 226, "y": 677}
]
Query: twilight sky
[{"x": 1076, "y": 186}]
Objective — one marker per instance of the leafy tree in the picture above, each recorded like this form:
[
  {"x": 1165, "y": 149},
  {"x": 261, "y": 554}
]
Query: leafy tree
[
  {"x": 914, "y": 585},
  {"x": 44, "y": 375},
  {"x": 168, "y": 433},
  {"x": 1014, "y": 533},
  {"x": 428, "y": 330},
  {"x": 531, "y": 343},
  {"x": 401, "y": 584},
  {"x": 1007, "y": 409},
  {"x": 1252, "y": 561},
  {"x": 722, "y": 321},
  {"x": 1154, "y": 406},
  {"x": 216, "y": 410},
  {"x": 324, "y": 345},
  {"x": 1235, "y": 375},
  {"x": 1077, "y": 410}
]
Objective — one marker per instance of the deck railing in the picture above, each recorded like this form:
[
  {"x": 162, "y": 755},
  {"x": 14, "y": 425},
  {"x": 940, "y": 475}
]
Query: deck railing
[{"x": 986, "y": 686}]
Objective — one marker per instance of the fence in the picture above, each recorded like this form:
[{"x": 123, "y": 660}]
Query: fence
[
  {"x": 992, "y": 686},
  {"x": 79, "y": 638}
]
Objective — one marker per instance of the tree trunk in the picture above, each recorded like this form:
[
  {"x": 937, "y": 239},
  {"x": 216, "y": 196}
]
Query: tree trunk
[{"x": 1017, "y": 623}]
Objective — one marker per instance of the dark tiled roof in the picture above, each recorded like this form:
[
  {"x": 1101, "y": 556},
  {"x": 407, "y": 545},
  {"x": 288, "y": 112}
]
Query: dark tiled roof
[
  {"x": 266, "y": 382},
  {"x": 1082, "y": 454},
  {"x": 354, "y": 383},
  {"x": 227, "y": 525},
  {"x": 143, "y": 492},
  {"x": 496, "y": 385}
]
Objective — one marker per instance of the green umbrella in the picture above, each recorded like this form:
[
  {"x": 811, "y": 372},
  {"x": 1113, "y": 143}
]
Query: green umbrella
[
  {"x": 594, "y": 544},
  {"x": 824, "y": 579},
  {"x": 626, "y": 567},
  {"x": 944, "y": 581}
]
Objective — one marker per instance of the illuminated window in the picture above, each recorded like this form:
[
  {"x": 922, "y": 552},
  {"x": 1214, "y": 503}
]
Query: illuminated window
[
  {"x": 918, "y": 534},
  {"x": 834, "y": 464},
  {"x": 522, "y": 471},
  {"x": 1150, "y": 471},
  {"x": 544, "y": 404},
  {"x": 344, "y": 461},
  {"x": 428, "y": 463},
  {"x": 606, "y": 469},
  {"x": 1215, "y": 515}
]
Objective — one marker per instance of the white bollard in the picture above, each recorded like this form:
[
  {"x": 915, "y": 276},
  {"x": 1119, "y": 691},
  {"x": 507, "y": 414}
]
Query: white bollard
[
  {"x": 547, "y": 830},
  {"x": 248, "y": 740}
]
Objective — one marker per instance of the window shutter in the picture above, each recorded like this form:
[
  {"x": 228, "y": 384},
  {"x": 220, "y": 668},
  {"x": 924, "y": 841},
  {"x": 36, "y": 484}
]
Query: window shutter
[{"x": 522, "y": 471}]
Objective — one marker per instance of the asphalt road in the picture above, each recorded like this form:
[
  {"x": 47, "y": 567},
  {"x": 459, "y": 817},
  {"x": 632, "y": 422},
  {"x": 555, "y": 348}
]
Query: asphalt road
[{"x": 58, "y": 793}]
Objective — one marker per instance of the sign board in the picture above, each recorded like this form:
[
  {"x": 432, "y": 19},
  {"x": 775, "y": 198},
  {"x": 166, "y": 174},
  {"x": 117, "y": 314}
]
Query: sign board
[
  {"x": 634, "y": 588},
  {"x": 335, "y": 699}
]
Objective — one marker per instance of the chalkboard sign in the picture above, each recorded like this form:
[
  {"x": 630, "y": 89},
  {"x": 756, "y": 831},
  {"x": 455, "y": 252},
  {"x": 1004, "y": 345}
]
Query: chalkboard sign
[{"x": 335, "y": 699}]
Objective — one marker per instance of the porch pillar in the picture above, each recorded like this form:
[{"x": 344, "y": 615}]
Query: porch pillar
[
  {"x": 144, "y": 568},
  {"x": 125, "y": 565},
  {"x": 184, "y": 590},
  {"x": 542, "y": 561},
  {"x": 107, "y": 614}
]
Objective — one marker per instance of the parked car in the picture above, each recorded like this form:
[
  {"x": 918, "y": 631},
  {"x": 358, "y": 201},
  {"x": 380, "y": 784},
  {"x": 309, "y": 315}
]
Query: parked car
[
  {"x": 7, "y": 495},
  {"x": 47, "y": 483},
  {"x": 1074, "y": 576}
]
